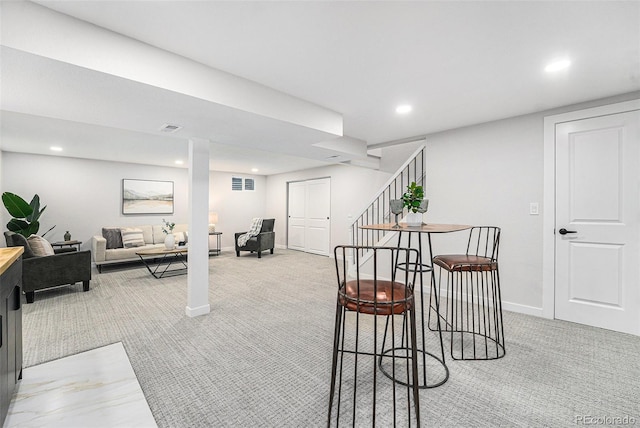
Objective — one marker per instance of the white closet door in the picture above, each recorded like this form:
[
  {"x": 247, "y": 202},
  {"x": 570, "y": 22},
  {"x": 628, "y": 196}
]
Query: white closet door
[
  {"x": 309, "y": 216},
  {"x": 297, "y": 220},
  {"x": 317, "y": 216}
]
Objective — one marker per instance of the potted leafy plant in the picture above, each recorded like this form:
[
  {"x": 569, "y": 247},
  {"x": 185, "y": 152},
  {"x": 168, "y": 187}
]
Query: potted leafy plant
[
  {"x": 170, "y": 239},
  {"x": 414, "y": 200},
  {"x": 25, "y": 215}
]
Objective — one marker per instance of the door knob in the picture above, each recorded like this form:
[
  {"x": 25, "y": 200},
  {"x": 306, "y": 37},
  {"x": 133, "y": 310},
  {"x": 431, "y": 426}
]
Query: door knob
[{"x": 564, "y": 231}]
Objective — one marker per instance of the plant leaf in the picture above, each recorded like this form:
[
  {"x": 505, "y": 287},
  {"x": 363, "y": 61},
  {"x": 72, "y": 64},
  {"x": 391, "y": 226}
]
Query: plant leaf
[
  {"x": 50, "y": 229},
  {"x": 16, "y": 206},
  {"x": 412, "y": 198},
  {"x": 36, "y": 214},
  {"x": 18, "y": 226},
  {"x": 35, "y": 206},
  {"x": 32, "y": 229}
]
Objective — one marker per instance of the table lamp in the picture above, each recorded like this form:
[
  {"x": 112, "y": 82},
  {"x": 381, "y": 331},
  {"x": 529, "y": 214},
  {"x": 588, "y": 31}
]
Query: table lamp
[{"x": 213, "y": 219}]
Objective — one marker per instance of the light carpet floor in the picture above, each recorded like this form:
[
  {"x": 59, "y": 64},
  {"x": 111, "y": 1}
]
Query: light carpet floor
[{"x": 262, "y": 357}]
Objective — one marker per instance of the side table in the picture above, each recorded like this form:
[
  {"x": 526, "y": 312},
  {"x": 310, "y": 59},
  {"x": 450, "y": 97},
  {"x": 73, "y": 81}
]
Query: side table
[
  {"x": 215, "y": 251},
  {"x": 65, "y": 243}
]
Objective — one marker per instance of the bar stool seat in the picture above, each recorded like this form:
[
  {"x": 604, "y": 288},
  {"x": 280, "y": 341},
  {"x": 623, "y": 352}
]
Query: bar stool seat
[
  {"x": 376, "y": 297},
  {"x": 465, "y": 263}
]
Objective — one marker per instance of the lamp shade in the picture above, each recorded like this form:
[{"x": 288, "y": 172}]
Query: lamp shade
[{"x": 213, "y": 219}]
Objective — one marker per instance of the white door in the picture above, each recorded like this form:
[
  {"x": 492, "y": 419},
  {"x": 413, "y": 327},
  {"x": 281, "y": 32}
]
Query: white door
[
  {"x": 309, "y": 212},
  {"x": 297, "y": 220},
  {"x": 597, "y": 279},
  {"x": 318, "y": 210}
]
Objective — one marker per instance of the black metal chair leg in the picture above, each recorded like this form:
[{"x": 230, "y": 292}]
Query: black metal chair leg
[{"x": 334, "y": 362}]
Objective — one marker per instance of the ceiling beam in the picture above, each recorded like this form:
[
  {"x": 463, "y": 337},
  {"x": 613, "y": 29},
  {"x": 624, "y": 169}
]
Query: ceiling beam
[{"x": 41, "y": 31}]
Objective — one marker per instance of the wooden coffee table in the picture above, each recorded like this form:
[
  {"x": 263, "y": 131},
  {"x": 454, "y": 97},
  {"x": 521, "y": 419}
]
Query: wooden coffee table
[{"x": 157, "y": 259}]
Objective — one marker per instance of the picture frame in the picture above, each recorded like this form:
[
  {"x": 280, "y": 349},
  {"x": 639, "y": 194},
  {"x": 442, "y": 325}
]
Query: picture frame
[{"x": 147, "y": 197}]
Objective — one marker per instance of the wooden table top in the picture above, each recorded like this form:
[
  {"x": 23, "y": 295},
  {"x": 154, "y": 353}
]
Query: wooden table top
[
  {"x": 162, "y": 251},
  {"x": 8, "y": 256},
  {"x": 425, "y": 228}
]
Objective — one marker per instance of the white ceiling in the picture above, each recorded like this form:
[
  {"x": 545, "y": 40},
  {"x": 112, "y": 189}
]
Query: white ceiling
[{"x": 457, "y": 63}]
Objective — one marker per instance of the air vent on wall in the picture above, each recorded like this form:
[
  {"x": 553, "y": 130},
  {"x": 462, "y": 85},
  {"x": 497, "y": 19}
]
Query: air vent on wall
[
  {"x": 236, "y": 183},
  {"x": 249, "y": 184},
  {"x": 170, "y": 128}
]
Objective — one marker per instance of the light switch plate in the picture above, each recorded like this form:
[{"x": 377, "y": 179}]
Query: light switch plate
[{"x": 533, "y": 208}]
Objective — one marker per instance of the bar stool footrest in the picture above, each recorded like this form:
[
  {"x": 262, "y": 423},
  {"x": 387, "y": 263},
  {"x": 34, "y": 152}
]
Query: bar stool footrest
[{"x": 425, "y": 385}]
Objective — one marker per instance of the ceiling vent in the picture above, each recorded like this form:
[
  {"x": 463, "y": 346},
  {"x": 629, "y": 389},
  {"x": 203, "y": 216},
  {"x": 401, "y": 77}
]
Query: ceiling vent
[{"x": 170, "y": 128}]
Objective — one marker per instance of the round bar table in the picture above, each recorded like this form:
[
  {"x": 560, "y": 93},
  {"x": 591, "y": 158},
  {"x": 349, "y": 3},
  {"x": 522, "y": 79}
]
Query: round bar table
[{"x": 421, "y": 267}]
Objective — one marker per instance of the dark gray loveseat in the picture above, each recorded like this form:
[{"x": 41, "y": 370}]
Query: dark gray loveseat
[
  {"x": 265, "y": 240},
  {"x": 64, "y": 267}
]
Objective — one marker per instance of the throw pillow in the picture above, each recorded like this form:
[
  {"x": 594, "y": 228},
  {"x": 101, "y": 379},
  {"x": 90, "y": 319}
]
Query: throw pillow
[
  {"x": 40, "y": 246},
  {"x": 113, "y": 237},
  {"x": 132, "y": 237},
  {"x": 18, "y": 240}
]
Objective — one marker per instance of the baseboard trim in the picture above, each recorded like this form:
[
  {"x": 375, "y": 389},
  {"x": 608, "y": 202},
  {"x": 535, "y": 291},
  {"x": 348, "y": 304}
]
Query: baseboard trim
[
  {"x": 200, "y": 310},
  {"x": 522, "y": 309},
  {"x": 507, "y": 306}
]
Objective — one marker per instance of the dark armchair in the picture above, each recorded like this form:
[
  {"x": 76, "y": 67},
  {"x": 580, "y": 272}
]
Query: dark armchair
[
  {"x": 38, "y": 272},
  {"x": 265, "y": 240}
]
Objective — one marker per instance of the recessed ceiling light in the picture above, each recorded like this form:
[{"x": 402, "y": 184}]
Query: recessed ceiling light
[
  {"x": 55, "y": 148},
  {"x": 179, "y": 162},
  {"x": 557, "y": 66},
  {"x": 403, "y": 109},
  {"x": 254, "y": 169}
]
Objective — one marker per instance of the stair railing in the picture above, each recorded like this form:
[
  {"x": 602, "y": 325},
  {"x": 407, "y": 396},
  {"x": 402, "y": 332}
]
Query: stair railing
[{"x": 378, "y": 210}]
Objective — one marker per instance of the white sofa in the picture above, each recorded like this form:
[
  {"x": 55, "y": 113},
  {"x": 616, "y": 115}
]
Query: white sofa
[{"x": 153, "y": 238}]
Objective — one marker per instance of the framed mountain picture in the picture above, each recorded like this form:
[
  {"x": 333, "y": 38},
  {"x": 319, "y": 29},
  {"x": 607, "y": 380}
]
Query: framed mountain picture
[{"x": 147, "y": 197}]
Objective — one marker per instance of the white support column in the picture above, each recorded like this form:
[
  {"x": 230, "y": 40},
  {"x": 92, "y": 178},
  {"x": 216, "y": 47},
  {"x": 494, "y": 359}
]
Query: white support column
[{"x": 198, "y": 275}]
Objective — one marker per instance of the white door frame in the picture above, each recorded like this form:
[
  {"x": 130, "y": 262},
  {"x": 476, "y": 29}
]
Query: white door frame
[
  {"x": 549, "y": 189},
  {"x": 328, "y": 177}
]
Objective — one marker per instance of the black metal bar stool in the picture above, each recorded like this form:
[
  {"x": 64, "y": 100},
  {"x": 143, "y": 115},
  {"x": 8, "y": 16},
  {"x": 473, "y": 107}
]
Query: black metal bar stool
[
  {"x": 473, "y": 307},
  {"x": 375, "y": 325}
]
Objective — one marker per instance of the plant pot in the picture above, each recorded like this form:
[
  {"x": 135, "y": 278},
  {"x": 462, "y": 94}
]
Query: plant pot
[
  {"x": 413, "y": 219},
  {"x": 170, "y": 241}
]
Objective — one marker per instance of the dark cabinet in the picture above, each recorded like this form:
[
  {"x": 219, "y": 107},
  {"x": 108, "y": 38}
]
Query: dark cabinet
[{"x": 10, "y": 334}]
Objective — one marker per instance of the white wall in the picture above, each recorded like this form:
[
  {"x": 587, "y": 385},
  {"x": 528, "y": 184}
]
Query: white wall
[
  {"x": 482, "y": 174},
  {"x": 488, "y": 174},
  {"x": 352, "y": 189},
  {"x": 393, "y": 157},
  {"x": 236, "y": 209},
  {"x": 83, "y": 195}
]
